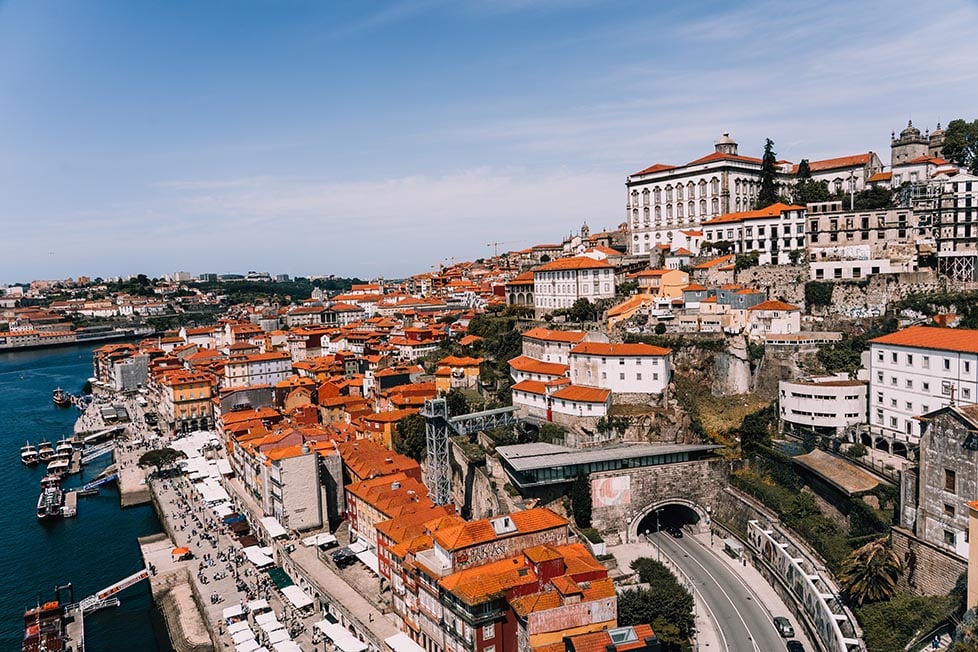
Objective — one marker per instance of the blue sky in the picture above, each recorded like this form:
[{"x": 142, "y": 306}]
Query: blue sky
[{"x": 381, "y": 138}]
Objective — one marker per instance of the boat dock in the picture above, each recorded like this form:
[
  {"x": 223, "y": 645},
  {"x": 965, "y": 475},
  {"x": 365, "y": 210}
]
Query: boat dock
[
  {"x": 174, "y": 594},
  {"x": 76, "y": 462},
  {"x": 70, "y": 507},
  {"x": 75, "y": 628}
]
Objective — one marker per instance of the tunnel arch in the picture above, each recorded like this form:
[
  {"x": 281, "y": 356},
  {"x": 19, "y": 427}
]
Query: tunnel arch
[{"x": 679, "y": 509}]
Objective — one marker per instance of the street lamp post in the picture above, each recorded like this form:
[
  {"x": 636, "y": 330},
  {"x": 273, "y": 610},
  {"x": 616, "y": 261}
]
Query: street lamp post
[{"x": 658, "y": 546}]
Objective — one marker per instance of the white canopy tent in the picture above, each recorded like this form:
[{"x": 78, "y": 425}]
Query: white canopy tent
[
  {"x": 258, "y": 606},
  {"x": 234, "y": 611},
  {"x": 370, "y": 560},
  {"x": 257, "y": 557},
  {"x": 278, "y": 636},
  {"x": 297, "y": 597},
  {"x": 350, "y": 644},
  {"x": 321, "y": 539},
  {"x": 239, "y": 626},
  {"x": 287, "y": 646},
  {"x": 401, "y": 642},
  {"x": 248, "y": 646},
  {"x": 261, "y": 619},
  {"x": 271, "y": 626},
  {"x": 273, "y": 527},
  {"x": 242, "y": 636}
]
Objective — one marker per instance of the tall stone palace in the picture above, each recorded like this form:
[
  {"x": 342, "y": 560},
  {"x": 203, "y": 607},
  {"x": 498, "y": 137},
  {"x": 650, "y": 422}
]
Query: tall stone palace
[{"x": 668, "y": 203}]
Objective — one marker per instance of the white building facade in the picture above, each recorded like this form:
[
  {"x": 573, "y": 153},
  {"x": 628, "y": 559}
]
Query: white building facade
[
  {"x": 559, "y": 283},
  {"x": 257, "y": 369},
  {"x": 663, "y": 199},
  {"x": 825, "y": 405},
  {"x": 622, "y": 368},
  {"x": 772, "y": 232},
  {"x": 918, "y": 370}
]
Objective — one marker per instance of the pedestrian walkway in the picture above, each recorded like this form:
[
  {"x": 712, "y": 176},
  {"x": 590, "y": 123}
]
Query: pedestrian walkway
[{"x": 345, "y": 598}]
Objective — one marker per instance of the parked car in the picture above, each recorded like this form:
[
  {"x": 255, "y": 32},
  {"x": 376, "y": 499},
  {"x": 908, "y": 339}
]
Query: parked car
[
  {"x": 784, "y": 627},
  {"x": 795, "y": 646}
]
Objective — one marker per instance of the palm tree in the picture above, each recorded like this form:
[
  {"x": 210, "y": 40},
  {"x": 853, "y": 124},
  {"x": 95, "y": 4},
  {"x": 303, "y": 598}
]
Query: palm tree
[{"x": 870, "y": 573}]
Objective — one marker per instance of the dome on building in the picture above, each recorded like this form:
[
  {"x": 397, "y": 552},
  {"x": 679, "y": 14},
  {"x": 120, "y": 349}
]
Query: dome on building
[
  {"x": 911, "y": 131},
  {"x": 726, "y": 145}
]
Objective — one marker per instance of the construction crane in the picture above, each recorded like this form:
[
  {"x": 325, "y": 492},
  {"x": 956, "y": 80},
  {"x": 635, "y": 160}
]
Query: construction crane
[{"x": 495, "y": 247}]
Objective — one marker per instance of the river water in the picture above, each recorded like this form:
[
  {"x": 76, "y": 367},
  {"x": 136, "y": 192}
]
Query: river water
[{"x": 92, "y": 550}]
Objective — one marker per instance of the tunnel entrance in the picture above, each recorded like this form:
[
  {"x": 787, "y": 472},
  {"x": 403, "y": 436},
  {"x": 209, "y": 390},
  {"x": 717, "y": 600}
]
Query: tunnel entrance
[{"x": 671, "y": 517}]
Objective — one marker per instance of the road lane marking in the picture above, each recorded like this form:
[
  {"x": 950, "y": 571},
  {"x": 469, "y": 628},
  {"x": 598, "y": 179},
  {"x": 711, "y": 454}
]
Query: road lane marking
[{"x": 753, "y": 639}]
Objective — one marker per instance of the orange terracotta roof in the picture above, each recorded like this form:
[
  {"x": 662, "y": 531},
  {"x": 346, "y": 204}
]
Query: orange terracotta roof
[
  {"x": 602, "y": 641},
  {"x": 658, "y": 167},
  {"x": 774, "y": 305},
  {"x": 931, "y": 337},
  {"x": 453, "y": 361},
  {"x": 834, "y": 163},
  {"x": 547, "y": 335},
  {"x": 531, "y": 387},
  {"x": 574, "y": 262},
  {"x": 694, "y": 287},
  {"x": 651, "y": 273},
  {"x": 720, "y": 156},
  {"x": 533, "y": 366},
  {"x": 600, "y": 348},
  {"x": 630, "y": 304},
  {"x": 580, "y": 394},
  {"x": 933, "y": 160},
  {"x": 714, "y": 262},
  {"x": 774, "y": 210},
  {"x": 880, "y": 176},
  {"x": 476, "y": 585},
  {"x": 471, "y": 533}
]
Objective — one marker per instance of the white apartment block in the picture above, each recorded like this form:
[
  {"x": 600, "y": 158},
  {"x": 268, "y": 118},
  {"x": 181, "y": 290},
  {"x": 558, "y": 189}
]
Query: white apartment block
[
  {"x": 558, "y": 284},
  {"x": 918, "y": 370},
  {"x": 622, "y": 368},
  {"x": 773, "y": 232},
  {"x": 826, "y": 405},
  {"x": 257, "y": 369},
  {"x": 550, "y": 346}
]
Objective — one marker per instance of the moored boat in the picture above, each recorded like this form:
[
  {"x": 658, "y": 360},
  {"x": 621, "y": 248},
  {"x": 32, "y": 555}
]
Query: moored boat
[
  {"x": 59, "y": 465},
  {"x": 44, "y": 628},
  {"x": 51, "y": 500},
  {"x": 45, "y": 451},
  {"x": 28, "y": 454},
  {"x": 64, "y": 447},
  {"x": 61, "y": 398}
]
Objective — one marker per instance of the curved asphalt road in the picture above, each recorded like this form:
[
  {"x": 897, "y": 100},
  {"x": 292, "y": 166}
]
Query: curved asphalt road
[{"x": 744, "y": 625}]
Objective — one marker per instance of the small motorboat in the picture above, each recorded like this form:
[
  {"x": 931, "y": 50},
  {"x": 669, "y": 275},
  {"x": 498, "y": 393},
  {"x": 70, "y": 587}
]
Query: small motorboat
[{"x": 61, "y": 398}]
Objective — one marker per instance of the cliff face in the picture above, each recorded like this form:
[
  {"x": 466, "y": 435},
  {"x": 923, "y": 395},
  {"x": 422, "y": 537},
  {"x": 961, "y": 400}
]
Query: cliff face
[{"x": 724, "y": 370}]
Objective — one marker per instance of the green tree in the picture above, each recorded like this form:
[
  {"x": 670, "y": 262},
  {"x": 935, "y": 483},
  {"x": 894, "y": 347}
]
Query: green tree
[
  {"x": 746, "y": 261},
  {"x": 665, "y": 601},
  {"x": 580, "y": 497},
  {"x": 457, "y": 403},
  {"x": 768, "y": 193},
  {"x": 870, "y": 573},
  {"x": 660, "y": 328},
  {"x": 626, "y": 289},
  {"x": 961, "y": 144},
  {"x": 756, "y": 427},
  {"x": 409, "y": 437},
  {"x": 581, "y": 311},
  {"x": 160, "y": 458}
]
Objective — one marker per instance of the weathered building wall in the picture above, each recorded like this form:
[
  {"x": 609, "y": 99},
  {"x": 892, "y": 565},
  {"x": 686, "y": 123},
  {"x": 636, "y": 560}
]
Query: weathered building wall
[
  {"x": 617, "y": 513},
  {"x": 472, "y": 488},
  {"x": 784, "y": 282},
  {"x": 928, "y": 570}
]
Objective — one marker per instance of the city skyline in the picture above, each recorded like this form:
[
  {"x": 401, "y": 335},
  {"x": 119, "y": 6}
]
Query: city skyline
[{"x": 381, "y": 139}]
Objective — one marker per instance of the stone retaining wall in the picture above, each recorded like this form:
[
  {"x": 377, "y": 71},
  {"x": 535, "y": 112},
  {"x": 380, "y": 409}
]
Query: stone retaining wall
[{"x": 929, "y": 570}]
